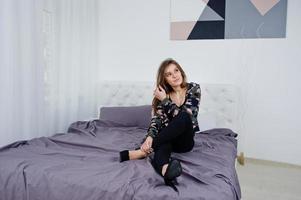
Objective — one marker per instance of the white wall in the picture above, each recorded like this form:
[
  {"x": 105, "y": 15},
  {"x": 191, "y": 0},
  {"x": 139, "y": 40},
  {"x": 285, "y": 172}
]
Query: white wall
[{"x": 134, "y": 39}]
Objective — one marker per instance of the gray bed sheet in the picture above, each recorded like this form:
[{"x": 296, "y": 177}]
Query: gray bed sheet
[{"x": 83, "y": 164}]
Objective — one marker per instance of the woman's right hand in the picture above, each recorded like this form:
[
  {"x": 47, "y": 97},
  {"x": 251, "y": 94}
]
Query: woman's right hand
[
  {"x": 160, "y": 93},
  {"x": 147, "y": 145}
]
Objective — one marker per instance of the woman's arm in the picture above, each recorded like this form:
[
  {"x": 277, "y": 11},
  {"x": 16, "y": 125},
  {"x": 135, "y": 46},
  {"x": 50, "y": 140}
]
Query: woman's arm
[
  {"x": 193, "y": 102},
  {"x": 156, "y": 122}
]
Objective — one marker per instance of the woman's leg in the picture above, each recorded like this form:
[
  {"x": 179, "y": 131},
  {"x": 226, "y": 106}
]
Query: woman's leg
[
  {"x": 179, "y": 125},
  {"x": 132, "y": 154},
  {"x": 162, "y": 144},
  {"x": 184, "y": 142},
  {"x": 137, "y": 154},
  {"x": 161, "y": 157}
]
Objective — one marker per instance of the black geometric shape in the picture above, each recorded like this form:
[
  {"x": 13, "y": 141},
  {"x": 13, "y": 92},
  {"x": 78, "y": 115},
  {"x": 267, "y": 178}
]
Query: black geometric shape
[
  {"x": 208, "y": 30},
  {"x": 218, "y": 6}
]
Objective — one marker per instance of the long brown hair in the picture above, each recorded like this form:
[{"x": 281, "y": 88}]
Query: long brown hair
[{"x": 161, "y": 79}]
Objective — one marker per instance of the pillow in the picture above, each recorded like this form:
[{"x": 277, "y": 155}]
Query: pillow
[
  {"x": 206, "y": 121},
  {"x": 138, "y": 116}
]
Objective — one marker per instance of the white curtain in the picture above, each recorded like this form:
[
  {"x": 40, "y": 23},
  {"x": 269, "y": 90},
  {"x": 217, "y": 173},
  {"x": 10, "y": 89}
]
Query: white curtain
[{"x": 49, "y": 70}]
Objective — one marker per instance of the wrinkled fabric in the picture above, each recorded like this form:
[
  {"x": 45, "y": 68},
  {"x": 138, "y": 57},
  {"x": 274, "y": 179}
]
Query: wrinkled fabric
[{"x": 84, "y": 164}]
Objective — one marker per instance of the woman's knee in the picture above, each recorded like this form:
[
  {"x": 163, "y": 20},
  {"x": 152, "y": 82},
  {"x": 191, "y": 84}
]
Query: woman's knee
[{"x": 185, "y": 116}]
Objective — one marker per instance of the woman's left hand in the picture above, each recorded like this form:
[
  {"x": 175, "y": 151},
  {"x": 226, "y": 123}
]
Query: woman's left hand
[
  {"x": 160, "y": 93},
  {"x": 147, "y": 145}
]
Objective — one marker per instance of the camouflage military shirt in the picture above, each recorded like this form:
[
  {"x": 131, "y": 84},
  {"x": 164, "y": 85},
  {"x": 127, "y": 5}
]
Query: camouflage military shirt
[{"x": 167, "y": 110}]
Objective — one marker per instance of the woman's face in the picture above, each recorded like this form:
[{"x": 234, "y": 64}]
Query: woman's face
[{"x": 173, "y": 75}]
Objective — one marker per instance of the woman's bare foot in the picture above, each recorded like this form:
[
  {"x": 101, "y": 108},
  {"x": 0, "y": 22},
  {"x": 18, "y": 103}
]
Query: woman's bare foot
[{"x": 137, "y": 154}]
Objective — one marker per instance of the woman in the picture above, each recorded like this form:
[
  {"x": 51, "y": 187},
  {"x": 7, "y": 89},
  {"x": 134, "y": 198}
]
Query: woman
[{"x": 174, "y": 121}]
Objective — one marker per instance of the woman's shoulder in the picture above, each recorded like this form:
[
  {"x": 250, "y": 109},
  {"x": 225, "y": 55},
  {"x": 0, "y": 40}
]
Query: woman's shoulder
[
  {"x": 193, "y": 86},
  {"x": 194, "y": 89}
]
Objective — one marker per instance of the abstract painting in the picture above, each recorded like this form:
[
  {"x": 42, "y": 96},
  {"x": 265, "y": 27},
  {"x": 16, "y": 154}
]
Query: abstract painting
[{"x": 227, "y": 19}]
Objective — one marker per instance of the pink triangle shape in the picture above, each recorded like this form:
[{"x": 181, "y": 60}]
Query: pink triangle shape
[
  {"x": 264, "y": 6},
  {"x": 181, "y": 30}
]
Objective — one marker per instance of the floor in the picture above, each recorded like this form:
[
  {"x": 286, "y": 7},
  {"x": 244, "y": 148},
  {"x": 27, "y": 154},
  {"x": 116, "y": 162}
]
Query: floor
[{"x": 266, "y": 180}]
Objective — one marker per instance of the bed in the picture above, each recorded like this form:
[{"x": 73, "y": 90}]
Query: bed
[{"x": 83, "y": 163}]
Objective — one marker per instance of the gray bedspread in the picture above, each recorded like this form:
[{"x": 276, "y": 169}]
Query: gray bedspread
[{"x": 84, "y": 165}]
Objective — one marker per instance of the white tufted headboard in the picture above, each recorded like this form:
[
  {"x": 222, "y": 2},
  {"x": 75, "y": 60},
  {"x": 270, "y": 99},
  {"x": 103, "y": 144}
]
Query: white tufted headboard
[
  {"x": 125, "y": 93},
  {"x": 223, "y": 102},
  {"x": 218, "y": 100}
]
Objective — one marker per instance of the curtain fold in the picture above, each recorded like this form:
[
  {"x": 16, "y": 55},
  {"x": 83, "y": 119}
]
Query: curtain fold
[
  {"x": 49, "y": 69},
  {"x": 74, "y": 71},
  {"x": 21, "y": 71}
]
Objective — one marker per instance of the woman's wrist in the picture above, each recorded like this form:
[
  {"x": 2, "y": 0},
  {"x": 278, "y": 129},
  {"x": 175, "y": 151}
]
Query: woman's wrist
[
  {"x": 164, "y": 101},
  {"x": 150, "y": 137}
]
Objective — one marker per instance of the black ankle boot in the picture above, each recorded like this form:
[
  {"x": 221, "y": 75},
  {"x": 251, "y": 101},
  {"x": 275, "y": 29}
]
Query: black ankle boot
[
  {"x": 174, "y": 169},
  {"x": 124, "y": 155}
]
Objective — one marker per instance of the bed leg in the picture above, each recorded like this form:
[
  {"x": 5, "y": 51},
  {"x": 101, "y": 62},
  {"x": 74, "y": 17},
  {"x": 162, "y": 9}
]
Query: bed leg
[{"x": 241, "y": 158}]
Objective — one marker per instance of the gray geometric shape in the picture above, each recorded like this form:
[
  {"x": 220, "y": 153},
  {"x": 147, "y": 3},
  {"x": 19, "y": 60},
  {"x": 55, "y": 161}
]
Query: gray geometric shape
[
  {"x": 210, "y": 15},
  {"x": 244, "y": 21}
]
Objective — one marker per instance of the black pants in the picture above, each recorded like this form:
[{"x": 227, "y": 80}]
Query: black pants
[{"x": 176, "y": 137}]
